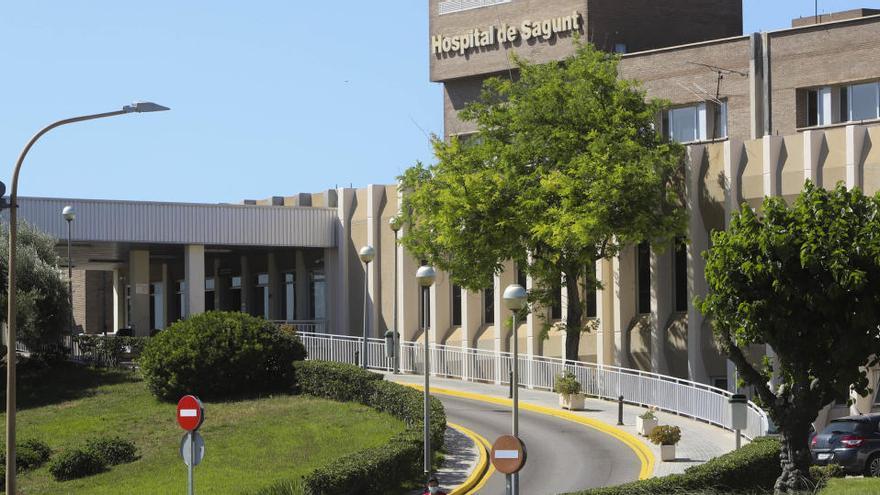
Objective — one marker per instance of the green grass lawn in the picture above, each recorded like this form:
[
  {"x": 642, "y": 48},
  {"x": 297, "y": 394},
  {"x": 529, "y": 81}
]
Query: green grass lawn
[
  {"x": 852, "y": 486},
  {"x": 249, "y": 444}
]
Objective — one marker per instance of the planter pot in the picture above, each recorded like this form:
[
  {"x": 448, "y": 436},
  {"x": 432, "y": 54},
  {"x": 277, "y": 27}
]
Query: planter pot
[
  {"x": 645, "y": 426},
  {"x": 572, "y": 402},
  {"x": 667, "y": 452}
]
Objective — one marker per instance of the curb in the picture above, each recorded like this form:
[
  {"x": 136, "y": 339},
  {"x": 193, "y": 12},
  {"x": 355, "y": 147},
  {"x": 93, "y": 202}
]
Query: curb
[
  {"x": 642, "y": 452},
  {"x": 482, "y": 472}
]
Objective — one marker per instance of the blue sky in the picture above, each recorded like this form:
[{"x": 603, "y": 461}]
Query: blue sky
[{"x": 268, "y": 98}]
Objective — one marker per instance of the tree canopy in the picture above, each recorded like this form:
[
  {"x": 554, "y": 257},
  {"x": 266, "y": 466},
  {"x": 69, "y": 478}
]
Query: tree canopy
[
  {"x": 565, "y": 168},
  {"x": 804, "y": 280},
  {"x": 43, "y": 304}
]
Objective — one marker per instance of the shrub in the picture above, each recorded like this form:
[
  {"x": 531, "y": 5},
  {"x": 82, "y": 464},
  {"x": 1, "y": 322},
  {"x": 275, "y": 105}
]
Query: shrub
[
  {"x": 75, "y": 463},
  {"x": 29, "y": 454},
  {"x": 754, "y": 467},
  {"x": 665, "y": 435},
  {"x": 373, "y": 470},
  {"x": 112, "y": 450},
  {"x": 648, "y": 415},
  {"x": 566, "y": 384},
  {"x": 821, "y": 474},
  {"x": 108, "y": 351},
  {"x": 218, "y": 355}
]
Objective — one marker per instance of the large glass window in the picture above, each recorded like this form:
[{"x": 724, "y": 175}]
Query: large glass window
[
  {"x": 209, "y": 294},
  {"x": 318, "y": 304},
  {"x": 592, "y": 302},
  {"x": 643, "y": 268},
  {"x": 489, "y": 306},
  {"x": 864, "y": 101},
  {"x": 698, "y": 122},
  {"x": 262, "y": 292},
  {"x": 456, "y": 305},
  {"x": 556, "y": 307},
  {"x": 289, "y": 296},
  {"x": 683, "y": 125}
]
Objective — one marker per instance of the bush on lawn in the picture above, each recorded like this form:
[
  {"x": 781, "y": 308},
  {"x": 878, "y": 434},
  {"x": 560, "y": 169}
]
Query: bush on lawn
[
  {"x": 75, "y": 463},
  {"x": 112, "y": 450},
  {"x": 753, "y": 467},
  {"x": 29, "y": 455},
  {"x": 374, "y": 470},
  {"x": 219, "y": 355}
]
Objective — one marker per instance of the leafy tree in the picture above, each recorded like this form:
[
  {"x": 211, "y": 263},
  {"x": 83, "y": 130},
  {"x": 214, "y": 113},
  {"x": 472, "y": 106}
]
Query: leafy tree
[
  {"x": 43, "y": 301},
  {"x": 804, "y": 280},
  {"x": 566, "y": 167}
]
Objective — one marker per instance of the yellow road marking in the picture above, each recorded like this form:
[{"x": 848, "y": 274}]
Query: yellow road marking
[
  {"x": 643, "y": 453},
  {"x": 480, "y": 474}
]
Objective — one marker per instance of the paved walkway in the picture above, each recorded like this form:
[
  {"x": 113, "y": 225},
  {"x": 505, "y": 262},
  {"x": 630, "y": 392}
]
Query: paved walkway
[
  {"x": 460, "y": 459},
  {"x": 699, "y": 441}
]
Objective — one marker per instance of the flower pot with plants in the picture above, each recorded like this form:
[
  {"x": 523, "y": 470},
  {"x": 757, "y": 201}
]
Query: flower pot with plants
[
  {"x": 646, "y": 423},
  {"x": 569, "y": 390},
  {"x": 666, "y": 437}
]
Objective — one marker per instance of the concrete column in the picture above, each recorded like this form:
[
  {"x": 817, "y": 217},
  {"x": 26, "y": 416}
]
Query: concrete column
[
  {"x": 246, "y": 285},
  {"x": 855, "y": 155},
  {"x": 345, "y": 204},
  {"x": 441, "y": 293},
  {"x": 662, "y": 303},
  {"x": 276, "y": 293},
  {"x": 605, "y": 314},
  {"x": 772, "y": 164},
  {"x": 302, "y": 281},
  {"x": 696, "y": 265},
  {"x": 502, "y": 329},
  {"x": 813, "y": 141},
  {"x": 194, "y": 275},
  {"x": 139, "y": 282},
  {"x": 118, "y": 301},
  {"x": 733, "y": 167},
  {"x": 162, "y": 316},
  {"x": 375, "y": 199},
  {"x": 624, "y": 307},
  {"x": 756, "y": 87},
  {"x": 471, "y": 318}
]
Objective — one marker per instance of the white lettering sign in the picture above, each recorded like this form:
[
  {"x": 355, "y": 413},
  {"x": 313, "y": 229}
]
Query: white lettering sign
[{"x": 477, "y": 38}]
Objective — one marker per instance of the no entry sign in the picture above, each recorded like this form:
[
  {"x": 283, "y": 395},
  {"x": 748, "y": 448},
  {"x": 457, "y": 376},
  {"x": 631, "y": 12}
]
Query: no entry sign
[
  {"x": 190, "y": 413},
  {"x": 508, "y": 454}
]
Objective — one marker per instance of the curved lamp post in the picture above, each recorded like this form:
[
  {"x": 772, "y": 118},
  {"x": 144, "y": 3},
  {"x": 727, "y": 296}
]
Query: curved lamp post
[
  {"x": 515, "y": 298},
  {"x": 140, "y": 107},
  {"x": 395, "y": 224},
  {"x": 69, "y": 215},
  {"x": 426, "y": 276},
  {"x": 366, "y": 254}
]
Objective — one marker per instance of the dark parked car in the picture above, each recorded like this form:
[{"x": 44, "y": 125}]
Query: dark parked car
[{"x": 852, "y": 442}]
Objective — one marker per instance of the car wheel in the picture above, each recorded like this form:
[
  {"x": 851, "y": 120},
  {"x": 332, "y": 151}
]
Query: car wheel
[{"x": 872, "y": 467}]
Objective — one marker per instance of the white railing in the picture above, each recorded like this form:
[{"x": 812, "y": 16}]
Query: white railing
[
  {"x": 675, "y": 395},
  {"x": 304, "y": 326}
]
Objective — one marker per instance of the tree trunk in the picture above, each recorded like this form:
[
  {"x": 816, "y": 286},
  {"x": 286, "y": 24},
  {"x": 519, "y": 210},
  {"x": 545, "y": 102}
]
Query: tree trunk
[
  {"x": 794, "y": 457},
  {"x": 573, "y": 317}
]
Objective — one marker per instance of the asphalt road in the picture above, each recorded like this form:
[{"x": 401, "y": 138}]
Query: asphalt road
[{"x": 562, "y": 456}]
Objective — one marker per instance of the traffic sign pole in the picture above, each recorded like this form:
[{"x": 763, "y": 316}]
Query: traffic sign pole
[{"x": 192, "y": 463}]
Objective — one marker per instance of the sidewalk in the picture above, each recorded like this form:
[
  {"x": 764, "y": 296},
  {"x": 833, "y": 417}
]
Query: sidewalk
[
  {"x": 699, "y": 441},
  {"x": 461, "y": 457}
]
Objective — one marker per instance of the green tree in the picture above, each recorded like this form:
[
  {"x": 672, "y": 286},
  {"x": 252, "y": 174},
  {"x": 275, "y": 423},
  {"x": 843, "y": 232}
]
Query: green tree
[
  {"x": 566, "y": 167},
  {"x": 804, "y": 280},
  {"x": 43, "y": 304}
]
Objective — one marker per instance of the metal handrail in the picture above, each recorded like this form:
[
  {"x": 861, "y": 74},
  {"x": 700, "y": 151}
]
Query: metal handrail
[{"x": 687, "y": 398}]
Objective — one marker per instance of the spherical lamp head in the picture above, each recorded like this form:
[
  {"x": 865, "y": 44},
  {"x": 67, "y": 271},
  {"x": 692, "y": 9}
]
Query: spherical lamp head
[
  {"x": 515, "y": 297},
  {"x": 395, "y": 223},
  {"x": 367, "y": 254},
  {"x": 68, "y": 213},
  {"x": 426, "y": 276}
]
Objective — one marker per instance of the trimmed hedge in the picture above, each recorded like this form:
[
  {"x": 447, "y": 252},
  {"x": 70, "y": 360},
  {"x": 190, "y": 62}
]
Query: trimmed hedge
[
  {"x": 220, "y": 355},
  {"x": 112, "y": 450},
  {"x": 753, "y": 467},
  {"x": 374, "y": 470},
  {"x": 75, "y": 463}
]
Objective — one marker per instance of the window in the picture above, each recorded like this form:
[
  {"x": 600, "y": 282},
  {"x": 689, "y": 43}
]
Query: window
[
  {"x": 863, "y": 101},
  {"x": 489, "y": 306},
  {"x": 318, "y": 303},
  {"x": 556, "y": 307},
  {"x": 592, "y": 303},
  {"x": 209, "y": 294},
  {"x": 289, "y": 296},
  {"x": 620, "y": 48},
  {"x": 262, "y": 299},
  {"x": 456, "y": 305},
  {"x": 699, "y": 122},
  {"x": 681, "y": 275},
  {"x": 643, "y": 269}
]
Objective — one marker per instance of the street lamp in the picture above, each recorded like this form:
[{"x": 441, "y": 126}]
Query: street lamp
[
  {"x": 367, "y": 254},
  {"x": 69, "y": 215},
  {"x": 395, "y": 224},
  {"x": 140, "y": 107},
  {"x": 426, "y": 276},
  {"x": 515, "y": 297}
]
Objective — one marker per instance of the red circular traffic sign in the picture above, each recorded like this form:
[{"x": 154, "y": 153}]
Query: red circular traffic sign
[
  {"x": 508, "y": 454},
  {"x": 190, "y": 413}
]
